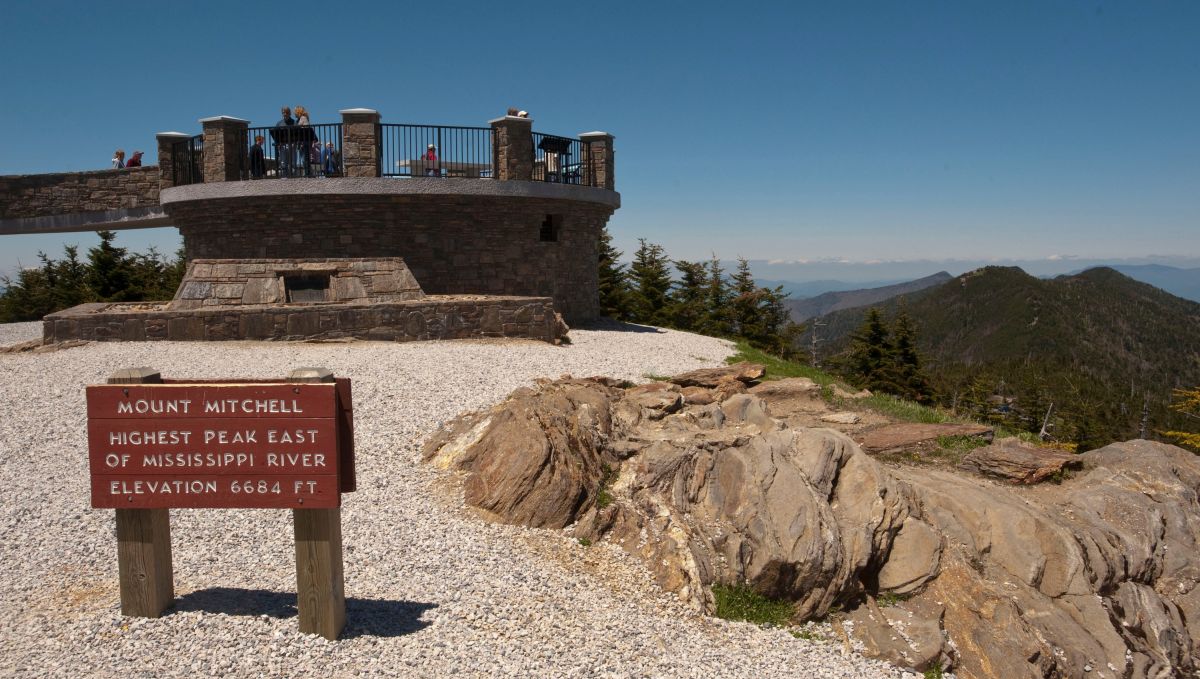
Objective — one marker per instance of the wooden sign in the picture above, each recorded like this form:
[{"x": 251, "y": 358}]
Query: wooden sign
[
  {"x": 218, "y": 445},
  {"x": 154, "y": 444}
]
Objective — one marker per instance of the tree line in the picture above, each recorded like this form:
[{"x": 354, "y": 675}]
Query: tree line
[
  {"x": 701, "y": 298},
  {"x": 109, "y": 274}
]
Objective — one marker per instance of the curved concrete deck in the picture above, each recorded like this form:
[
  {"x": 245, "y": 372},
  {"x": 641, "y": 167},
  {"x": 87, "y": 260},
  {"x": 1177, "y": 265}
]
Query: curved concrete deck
[
  {"x": 103, "y": 220},
  {"x": 382, "y": 186}
]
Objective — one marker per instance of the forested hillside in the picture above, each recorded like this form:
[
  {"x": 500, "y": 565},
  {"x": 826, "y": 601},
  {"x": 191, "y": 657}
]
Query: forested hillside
[{"x": 1105, "y": 350}]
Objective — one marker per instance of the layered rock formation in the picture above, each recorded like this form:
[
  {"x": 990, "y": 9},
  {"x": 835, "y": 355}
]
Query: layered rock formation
[{"x": 1095, "y": 577}]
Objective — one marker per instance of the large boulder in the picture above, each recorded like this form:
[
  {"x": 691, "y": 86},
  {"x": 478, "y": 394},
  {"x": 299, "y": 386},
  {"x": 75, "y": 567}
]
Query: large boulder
[
  {"x": 1012, "y": 459},
  {"x": 537, "y": 458},
  {"x": 711, "y": 377},
  {"x": 904, "y": 435},
  {"x": 1095, "y": 577}
]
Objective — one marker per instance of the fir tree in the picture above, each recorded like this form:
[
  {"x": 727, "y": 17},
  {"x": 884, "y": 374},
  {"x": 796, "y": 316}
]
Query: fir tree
[
  {"x": 870, "y": 360},
  {"x": 909, "y": 376},
  {"x": 718, "y": 321},
  {"x": 688, "y": 307},
  {"x": 109, "y": 271},
  {"x": 746, "y": 298},
  {"x": 651, "y": 278},
  {"x": 614, "y": 280}
]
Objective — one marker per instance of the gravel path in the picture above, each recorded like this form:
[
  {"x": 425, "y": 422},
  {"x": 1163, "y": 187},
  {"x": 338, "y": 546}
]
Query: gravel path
[
  {"x": 432, "y": 591},
  {"x": 15, "y": 333}
]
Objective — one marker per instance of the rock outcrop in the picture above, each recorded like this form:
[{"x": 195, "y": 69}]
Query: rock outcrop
[
  {"x": 1014, "y": 460},
  {"x": 1094, "y": 577}
]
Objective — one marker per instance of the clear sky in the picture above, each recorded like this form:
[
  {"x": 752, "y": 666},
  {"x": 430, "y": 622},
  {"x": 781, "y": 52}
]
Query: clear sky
[{"x": 785, "y": 131}]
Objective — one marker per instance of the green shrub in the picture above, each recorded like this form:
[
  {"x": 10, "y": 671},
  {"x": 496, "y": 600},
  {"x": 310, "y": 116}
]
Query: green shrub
[{"x": 741, "y": 602}]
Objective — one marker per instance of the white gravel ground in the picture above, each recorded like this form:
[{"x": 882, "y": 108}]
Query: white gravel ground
[{"x": 432, "y": 591}]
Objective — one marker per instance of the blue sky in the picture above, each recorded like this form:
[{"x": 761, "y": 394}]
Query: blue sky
[{"x": 776, "y": 131}]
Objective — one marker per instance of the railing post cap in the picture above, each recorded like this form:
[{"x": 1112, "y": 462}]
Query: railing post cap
[
  {"x": 311, "y": 375},
  {"x": 518, "y": 119},
  {"x": 358, "y": 111},
  {"x": 223, "y": 119},
  {"x": 169, "y": 135},
  {"x": 597, "y": 135}
]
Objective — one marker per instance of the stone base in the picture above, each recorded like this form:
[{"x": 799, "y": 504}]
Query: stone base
[{"x": 429, "y": 318}]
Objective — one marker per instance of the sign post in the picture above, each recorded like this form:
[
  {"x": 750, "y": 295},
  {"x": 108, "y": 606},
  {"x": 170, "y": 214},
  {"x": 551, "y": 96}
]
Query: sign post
[{"x": 156, "y": 444}]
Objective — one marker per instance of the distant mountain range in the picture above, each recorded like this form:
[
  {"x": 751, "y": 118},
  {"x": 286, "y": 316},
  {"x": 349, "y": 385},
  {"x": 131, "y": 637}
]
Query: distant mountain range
[
  {"x": 1179, "y": 281},
  {"x": 1183, "y": 283},
  {"x": 1094, "y": 343},
  {"x": 802, "y": 309}
]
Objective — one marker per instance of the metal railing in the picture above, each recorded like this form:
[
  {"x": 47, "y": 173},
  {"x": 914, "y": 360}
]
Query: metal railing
[
  {"x": 562, "y": 160},
  {"x": 187, "y": 161},
  {"x": 435, "y": 151},
  {"x": 292, "y": 152}
]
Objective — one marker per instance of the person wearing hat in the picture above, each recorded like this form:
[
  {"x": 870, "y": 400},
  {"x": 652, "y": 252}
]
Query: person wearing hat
[{"x": 431, "y": 162}]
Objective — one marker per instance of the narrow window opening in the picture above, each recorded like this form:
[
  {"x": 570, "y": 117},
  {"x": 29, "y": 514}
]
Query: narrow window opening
[
  {"x": 550, "y": 229},
  {"x": 307, "y": 287}
]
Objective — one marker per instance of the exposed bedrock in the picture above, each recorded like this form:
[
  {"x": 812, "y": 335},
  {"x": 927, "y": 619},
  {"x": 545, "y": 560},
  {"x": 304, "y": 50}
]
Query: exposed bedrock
[{"x": 1094, "y": 577}]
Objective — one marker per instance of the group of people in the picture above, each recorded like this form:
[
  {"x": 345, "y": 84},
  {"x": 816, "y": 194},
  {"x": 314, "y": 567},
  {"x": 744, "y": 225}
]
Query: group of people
[
  {"x": 119, "y": 162},
  {"x": 298, "y": 151}
]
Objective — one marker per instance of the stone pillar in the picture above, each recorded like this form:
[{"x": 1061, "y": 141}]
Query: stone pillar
[
  {"x": 166, "y": 162},
  {"x": 512, "y": 148},
  {"x": 360, "y": 142},
  {"x": 601, "y": 146},
  {"x": 225, "y": 148}
]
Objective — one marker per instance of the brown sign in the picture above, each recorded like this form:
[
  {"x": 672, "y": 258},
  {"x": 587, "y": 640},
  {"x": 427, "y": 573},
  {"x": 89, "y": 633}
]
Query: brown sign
[{"x": 212, "y": 445}]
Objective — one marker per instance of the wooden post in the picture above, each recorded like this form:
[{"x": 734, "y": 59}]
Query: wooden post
[
  {"x": 320, "y": 586},
  {"x": 143, "y": 540}
]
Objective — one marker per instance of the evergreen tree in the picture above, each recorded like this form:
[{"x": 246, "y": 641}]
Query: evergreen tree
[
  {"x": 909, "y": 376},
  {"x": 109, "y": 275},
  {"x": 746, "y": 299},
  {"x": 614, "y": 281},
  {"x": 718, "y": 321},
  {"x": 27, "y": 298},
  {"x": 1187, "y": 402},
  {"x": 688, "y": 306},
  {"x": 870, "y": 360},
  {"x": 109, "y": 271},
  {"x": 651, "y": 278},
  {"x": 69, "y": 285}
]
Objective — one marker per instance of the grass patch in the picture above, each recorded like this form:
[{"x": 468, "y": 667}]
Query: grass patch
[
  {"x": 886, "y": 599},
  {"x": 778, "y": 368},
  {"x": 954, "y": 448},
  {"x": 907, "y": 411},
  {"x": 586, "y": 542},
  {"x": 805, "y": 635},
  {"x": 934, "y": 672},
  {"x": 604, "y": 497},
  {"x": 740, "y": 602}
]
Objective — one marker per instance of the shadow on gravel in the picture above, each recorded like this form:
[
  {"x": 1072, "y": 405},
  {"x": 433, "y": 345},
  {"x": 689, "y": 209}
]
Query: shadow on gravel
[
  {"x": 364, "y": 617},
  {"x": 617, "y": 326}
]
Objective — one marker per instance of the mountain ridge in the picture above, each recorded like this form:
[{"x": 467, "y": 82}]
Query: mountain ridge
[
  {"x": 803, "y": 309},
  {"x": 1100, "y": 345}
]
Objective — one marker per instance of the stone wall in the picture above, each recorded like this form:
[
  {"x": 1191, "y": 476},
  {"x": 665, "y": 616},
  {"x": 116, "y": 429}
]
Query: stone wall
[
  {"x": 223, "y": 282},
  {"x": 43, "y": 195},
  {"x": 452, "y": 244},
  {"x": 431, "y": 318}
]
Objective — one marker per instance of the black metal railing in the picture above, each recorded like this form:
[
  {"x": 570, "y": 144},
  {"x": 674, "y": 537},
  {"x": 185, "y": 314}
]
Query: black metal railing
[
  {"x": 187, "y": 161},
  {"x": 562, "y": 160},
  {"x": 435, "y": 151},
  {"x": 295, "y": 151}
]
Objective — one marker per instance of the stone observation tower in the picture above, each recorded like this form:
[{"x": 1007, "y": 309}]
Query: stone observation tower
[{"x": 356, "y": 229}]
